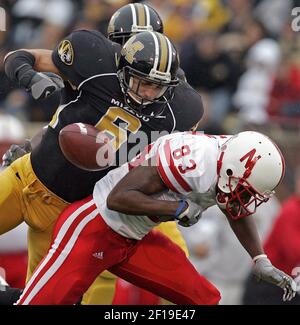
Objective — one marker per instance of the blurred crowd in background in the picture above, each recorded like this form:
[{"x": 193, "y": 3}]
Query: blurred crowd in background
[{"x": 242, "y": 56}]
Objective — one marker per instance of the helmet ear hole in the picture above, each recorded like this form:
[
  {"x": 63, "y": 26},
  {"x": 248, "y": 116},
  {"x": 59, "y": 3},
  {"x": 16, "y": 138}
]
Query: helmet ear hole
[{"x": 229, "y": 172}]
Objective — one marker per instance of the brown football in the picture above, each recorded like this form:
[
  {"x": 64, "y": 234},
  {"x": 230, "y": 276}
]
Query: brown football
[{"x": 86, "y": 147}]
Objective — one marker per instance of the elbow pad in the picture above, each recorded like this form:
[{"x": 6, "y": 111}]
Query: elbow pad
[{"x": 19, "y": 67}]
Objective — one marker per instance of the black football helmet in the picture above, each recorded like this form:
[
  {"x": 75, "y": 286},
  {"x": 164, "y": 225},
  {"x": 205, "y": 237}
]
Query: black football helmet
[
  {"x": 147, "y": 72},
  {"x": 131, "y": 19}
]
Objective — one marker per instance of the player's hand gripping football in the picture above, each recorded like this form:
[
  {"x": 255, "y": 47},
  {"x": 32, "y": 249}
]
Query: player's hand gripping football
[
  {"x": 264, "y": 270},
  {"x": 14, "y": 152},
  {"x": 188, "y": 213}
]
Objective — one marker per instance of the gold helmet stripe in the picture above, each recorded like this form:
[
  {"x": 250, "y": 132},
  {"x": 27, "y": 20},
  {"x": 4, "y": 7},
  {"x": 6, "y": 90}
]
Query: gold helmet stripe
[
  {"x": 141, "y": 14},
  {"x": 164, "y": 53}
]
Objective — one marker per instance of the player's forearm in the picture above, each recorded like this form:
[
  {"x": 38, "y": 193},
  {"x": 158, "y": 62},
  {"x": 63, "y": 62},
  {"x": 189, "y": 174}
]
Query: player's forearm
[
  {"x": 133, "y": 194},
  {"x": 43, "y": 61},
  {"x": 246, "y": 232},
  {"x": 136, "y": 203}
]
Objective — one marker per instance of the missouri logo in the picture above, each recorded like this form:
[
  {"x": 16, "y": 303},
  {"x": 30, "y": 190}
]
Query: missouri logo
[
  {"x": 65, "y": 52},
  {"x": 130, "y": 49}
]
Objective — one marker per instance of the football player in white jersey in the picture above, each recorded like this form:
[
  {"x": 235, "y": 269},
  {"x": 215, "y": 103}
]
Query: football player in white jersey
[{"x": 177, "y": 177}]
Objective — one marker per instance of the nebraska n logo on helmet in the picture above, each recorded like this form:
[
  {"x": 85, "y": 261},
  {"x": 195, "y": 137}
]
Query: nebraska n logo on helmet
[
  {"x": 132, "y": 19},
  {"x": 250, "y": 167},
  {"x": 148, "y": 60}
]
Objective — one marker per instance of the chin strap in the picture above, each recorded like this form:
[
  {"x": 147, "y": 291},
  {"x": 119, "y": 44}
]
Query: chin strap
[
  {"x": 219, "y": 163},
  {"x": 222, "y": 199}
]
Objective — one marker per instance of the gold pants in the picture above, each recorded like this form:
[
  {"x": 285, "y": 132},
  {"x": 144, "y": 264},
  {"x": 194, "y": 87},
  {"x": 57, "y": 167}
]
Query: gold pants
[{"x": 24, "y": 198}]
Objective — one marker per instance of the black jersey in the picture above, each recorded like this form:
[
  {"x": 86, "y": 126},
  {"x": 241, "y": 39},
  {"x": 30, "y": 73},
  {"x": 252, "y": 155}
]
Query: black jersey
[{"x": 93, "y": 95}]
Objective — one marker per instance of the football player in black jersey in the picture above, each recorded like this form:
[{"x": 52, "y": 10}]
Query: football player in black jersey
[{"x": 139, "y": 93}]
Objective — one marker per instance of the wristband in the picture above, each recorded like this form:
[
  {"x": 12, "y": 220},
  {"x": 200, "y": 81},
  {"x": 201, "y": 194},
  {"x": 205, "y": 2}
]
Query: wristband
[
  {"x": 182, "y": 206},
  {"x": 255, "y": 258}
]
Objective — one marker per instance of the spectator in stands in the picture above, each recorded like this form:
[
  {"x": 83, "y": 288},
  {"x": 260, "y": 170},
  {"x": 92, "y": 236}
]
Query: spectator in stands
[
  {"x": 40, "y": 23},
  {"x": 13, "y": 245},
  {"x": 284, "y": 101},
  {"x": 13, "y": 256},
  {"x": 275, "y": 14},
  {"x": 253, "y": 92},
  {"x": 241, "y": 12},
  {"x": 211, "y": 71},
  {"x": 96, "y": 14}
]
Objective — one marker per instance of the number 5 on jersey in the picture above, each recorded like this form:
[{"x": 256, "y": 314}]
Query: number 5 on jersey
[{"x": 107, "y": 124}]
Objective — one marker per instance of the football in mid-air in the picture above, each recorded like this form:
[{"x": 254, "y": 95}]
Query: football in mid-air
[{"x": 86, "y": 147}]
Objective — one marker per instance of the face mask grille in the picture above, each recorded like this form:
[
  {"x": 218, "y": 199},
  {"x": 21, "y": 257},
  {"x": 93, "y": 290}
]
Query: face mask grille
[
  {"x": 134, "y": 97},
  {"x": 243, "y": 199}
]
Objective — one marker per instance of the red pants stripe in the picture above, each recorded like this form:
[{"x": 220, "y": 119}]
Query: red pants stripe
[{"x": 84, "y": 246}]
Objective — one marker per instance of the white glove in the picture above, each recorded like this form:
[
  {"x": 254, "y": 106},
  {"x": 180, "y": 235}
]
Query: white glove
[
  {"x": 188, "y": 213},
  {"x": 264, "y": 270}
]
